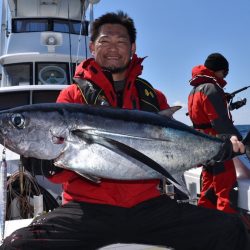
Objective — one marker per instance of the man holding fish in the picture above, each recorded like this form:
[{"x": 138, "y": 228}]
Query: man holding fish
[{"x": 98, "y": 212}]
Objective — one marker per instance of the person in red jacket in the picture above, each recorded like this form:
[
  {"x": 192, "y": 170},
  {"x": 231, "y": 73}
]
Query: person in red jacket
[
  {"x": 208, "y": 110},
  {"x": 97, "y": 214}
]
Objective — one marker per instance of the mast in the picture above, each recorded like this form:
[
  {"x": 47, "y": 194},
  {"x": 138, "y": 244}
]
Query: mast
[
  {"x": 91, "y": 9},
  {"x": 3, "y": 26}
]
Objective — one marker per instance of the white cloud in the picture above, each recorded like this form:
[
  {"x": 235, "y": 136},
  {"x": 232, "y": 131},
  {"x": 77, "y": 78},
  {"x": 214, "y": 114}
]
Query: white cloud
[{"x": 180, "y": 103}]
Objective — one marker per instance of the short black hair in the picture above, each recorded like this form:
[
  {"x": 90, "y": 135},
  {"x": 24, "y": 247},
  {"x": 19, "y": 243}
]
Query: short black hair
[{"x": 114, "y": 18}]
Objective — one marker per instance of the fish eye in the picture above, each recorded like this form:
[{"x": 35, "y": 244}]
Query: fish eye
[{"x": 18, "y": 120}]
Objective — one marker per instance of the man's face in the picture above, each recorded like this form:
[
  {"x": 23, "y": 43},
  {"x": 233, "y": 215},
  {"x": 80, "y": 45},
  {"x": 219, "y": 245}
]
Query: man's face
[
  {"x": 221, "y": 73},
  {"x": 112, "y": 49}
]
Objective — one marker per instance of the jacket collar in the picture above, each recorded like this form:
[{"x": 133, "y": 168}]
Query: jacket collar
[
  {"x": 92, "y": 72},
  {"x": 201, "y": 74}
]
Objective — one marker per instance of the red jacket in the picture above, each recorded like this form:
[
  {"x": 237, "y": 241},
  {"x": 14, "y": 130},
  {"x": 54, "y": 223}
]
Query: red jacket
[
  {"x": 113, "y": 192},
  {"x": 207, "y": 104}
]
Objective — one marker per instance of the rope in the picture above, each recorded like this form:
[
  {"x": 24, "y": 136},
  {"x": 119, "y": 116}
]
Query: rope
[{"x": 23, "y": 200}]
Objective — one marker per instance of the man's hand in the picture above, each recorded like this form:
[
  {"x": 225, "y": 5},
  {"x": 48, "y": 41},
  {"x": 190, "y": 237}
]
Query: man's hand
[{"x": 238, "y": 146}]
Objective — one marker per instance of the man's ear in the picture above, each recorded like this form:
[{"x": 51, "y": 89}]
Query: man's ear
[
  {"x": 92, "y": 48},
  {"x": 133, "y": 49}
]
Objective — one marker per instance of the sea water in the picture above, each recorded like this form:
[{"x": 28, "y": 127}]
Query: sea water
[{"x": 244, "y": 129}]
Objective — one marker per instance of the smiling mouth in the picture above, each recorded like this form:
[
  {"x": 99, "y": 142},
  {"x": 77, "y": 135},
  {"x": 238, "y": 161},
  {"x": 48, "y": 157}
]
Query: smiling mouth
[{"x": 112, "y": 58}]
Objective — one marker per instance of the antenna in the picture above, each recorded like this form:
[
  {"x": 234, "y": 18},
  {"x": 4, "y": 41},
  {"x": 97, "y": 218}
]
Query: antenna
[
  {"x": 80, "y": 34},
  {"x": 91, "y": 4},
  {"x": 4, "y": 26},
  {"x": 70, "y": 48}
]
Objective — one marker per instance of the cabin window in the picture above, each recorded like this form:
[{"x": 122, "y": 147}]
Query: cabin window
[
  {"x": 52, "y": 73},
  {"x": 61, "y": 26},
  {"x": 17, "y": 74},
  {"x": 20, "y": 25},
  {"x": 30, "y": 25},
  {"x": 76, "y": 26}
]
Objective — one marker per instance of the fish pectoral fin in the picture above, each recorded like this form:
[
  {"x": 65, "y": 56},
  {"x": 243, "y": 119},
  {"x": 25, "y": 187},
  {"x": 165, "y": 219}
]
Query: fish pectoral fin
[
  {"x": 170, "y": 111},
  {"x": 121, "y": 148}
]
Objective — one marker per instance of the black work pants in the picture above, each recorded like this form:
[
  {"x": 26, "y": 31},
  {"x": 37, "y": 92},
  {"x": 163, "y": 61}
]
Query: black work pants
[{"x": 160, "y": 221}]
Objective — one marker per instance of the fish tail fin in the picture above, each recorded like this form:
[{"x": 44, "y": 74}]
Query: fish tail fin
[{"x": 246, "y": 142}]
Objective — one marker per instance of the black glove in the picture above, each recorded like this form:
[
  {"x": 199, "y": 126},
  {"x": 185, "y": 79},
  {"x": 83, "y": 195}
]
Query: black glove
[
  {"x": 228, "y": 97},
  {"x": 225, "y": 153},
  {"x": 39, "y": 167}
]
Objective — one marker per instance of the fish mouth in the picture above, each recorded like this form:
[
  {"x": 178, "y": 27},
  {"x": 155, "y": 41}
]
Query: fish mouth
[{"x": 57, "y": 159}]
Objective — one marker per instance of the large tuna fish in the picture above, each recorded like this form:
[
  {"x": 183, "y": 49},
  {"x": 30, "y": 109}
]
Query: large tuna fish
[{"x": 107, "y": 142}]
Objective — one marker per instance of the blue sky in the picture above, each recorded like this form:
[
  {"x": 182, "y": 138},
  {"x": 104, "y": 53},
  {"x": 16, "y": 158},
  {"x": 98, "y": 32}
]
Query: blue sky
[{"x": 179, "y": 34}]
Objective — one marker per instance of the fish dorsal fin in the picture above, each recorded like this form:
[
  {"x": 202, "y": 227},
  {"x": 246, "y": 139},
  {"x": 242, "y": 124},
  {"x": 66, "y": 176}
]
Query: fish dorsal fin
[{"x": 170, "y": 111}]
